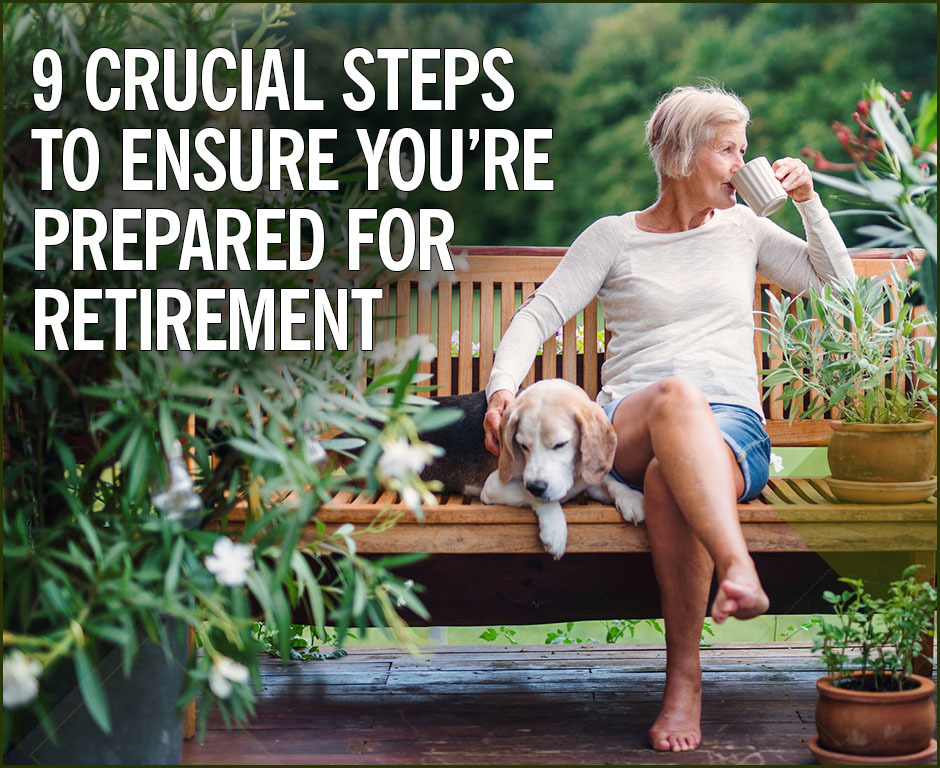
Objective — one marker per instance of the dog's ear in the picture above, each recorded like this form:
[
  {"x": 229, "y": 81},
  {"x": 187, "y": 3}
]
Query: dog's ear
[
  {"x": 598, "y": 442},
  {"x": 509, "y": 452}
]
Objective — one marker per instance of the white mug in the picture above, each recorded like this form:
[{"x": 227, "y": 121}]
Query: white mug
[{"x": 758, "y": 186}]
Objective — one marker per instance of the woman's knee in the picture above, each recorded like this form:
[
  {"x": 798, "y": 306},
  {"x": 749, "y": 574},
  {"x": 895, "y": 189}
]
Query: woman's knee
[{"x": 673, "y": 397}]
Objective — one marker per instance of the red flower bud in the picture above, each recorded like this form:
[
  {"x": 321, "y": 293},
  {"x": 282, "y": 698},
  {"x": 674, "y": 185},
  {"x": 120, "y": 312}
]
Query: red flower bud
[
  {"x": 862, "y": 107},
  {"x": 905, "y": 97}
]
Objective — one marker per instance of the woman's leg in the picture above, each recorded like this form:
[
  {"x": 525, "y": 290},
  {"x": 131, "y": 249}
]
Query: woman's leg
[
  {"x": 669, "y": 441},
  {"x": 672, "y": 422},
  {"x": 684, "y": 595}
]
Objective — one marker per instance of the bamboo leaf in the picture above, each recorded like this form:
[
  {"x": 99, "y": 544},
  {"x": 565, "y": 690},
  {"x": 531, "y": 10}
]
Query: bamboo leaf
[{"x": 90, "y": 684}]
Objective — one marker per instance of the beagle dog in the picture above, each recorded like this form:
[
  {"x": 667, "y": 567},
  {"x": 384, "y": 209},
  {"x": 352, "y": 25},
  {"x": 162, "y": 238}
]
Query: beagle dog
[{"x": 555, "y": 442}]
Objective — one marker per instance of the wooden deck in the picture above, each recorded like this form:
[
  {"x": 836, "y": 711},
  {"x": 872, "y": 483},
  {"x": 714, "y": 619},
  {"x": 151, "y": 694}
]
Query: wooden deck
[{"x": 514, "y": 705}]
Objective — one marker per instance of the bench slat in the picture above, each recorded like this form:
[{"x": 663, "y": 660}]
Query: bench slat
[
  {"x": 424, "y": 323},
  {"x": 528, "y": 288},
  {"x": 591, "y": 368},
  {"x": 793, "y": 514},
  {"x": 486, "y": 331},
  {"x": 465, "y": 355},
  {"x": 445, "y": 331}
]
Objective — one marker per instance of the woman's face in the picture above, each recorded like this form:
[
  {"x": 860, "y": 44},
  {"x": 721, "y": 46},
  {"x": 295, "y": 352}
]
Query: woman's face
[{"x": 715, "y": 165}]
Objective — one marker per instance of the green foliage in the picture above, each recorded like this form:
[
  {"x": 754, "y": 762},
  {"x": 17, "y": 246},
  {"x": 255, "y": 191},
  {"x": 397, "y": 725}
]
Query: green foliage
[
  {"x": 614, "y": 632},
  {"x": 796, "y": 66},
  {"x": 492, "y": 634},
  {"x": 836, "y": 350},
  {"x": 898, "y": 182},
  {"x": 880, "y": 636},
  {"x": 563, "y": 636},
  {"x": 112, "y": 508},
  {"x": 300, "y": 648},
  {"x": 593, "y": 72}
]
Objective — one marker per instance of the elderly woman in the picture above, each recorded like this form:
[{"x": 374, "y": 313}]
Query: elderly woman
[{"x": 676, "y": 282}]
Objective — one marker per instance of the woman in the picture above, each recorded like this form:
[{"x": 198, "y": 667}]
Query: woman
[{"x": 676, "y": 282}]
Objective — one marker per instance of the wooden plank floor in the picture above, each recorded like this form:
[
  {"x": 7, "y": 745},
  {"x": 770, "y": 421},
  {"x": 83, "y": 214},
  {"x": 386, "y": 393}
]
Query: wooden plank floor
[{"x": 510, "y": 705}]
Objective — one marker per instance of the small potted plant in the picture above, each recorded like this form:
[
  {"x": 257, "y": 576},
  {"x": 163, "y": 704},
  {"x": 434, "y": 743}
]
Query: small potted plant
[
  {"x": 836, "y": 351},
  {"x": 871, "y": 703}
]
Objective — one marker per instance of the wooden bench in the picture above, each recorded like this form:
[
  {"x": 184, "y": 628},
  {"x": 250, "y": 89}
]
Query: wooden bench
[{"x": 487, "y": 565}]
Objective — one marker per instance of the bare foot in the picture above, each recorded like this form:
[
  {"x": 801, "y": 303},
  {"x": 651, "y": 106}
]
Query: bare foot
[
  {"x": 677, "y": 728},
  {"x": 740, "y": 600}
]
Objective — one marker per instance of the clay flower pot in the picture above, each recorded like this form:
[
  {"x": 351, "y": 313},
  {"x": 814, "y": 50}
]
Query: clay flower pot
[
  {"x": 882, "y": 463},
  {"x": 875, "y": 723}
]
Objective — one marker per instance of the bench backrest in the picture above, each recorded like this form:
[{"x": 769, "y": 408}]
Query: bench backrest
[{"x": 465, "y": 320}]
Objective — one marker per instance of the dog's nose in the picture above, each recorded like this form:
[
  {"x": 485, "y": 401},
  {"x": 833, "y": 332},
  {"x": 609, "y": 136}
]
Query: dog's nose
[{"x": 536, "y": 488}]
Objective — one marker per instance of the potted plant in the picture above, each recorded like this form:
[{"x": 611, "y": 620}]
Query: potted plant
[
  {"x": 121, "y": 465},
  {"x": 870, "y": 703},
  {"x": 835, "y": 351},
  {"x": 879, "y": 375}
]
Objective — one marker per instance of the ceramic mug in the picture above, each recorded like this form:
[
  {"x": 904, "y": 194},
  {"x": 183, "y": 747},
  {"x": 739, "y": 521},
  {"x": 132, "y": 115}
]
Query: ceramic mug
[{"x": 758, "y": 186}]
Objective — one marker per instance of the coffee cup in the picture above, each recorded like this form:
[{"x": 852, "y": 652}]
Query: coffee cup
[{"x": 758, "y": 186}]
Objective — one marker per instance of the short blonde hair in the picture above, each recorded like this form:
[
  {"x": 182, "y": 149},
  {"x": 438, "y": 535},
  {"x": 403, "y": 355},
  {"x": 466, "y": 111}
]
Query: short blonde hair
[{"x": 684, "y": 121}]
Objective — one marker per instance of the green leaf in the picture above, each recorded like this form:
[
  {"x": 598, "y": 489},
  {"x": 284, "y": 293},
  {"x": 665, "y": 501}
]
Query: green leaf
[
  {"x": 893, "y": 138},
  {"x": 171, "y": 580},
  {"x": 841, "y": 184},
  {"x": 167, "y": 428},
  {"x": 90, "y": 685},
  {"x": 262, "y": 449},
  {"x": 91, "y": 535},
  {"x": 925, "y": 229},
  {"x": 926, "y": 124},
  {"x": 435, "y": 418}
]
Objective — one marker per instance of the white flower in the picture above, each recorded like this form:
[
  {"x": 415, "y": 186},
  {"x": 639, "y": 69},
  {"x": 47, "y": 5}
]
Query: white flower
[
  {"x": 402, "y": 351},
  {"x": 314, "y": 451},
  {"x": 411, "y": 498},
  {"x": 224, "y": 672},
  {"x": 384, "y": 350},
  {"x": 401, "y": 457},
  {"x": 345, "y": 532},
  {"x": 417, "y": 345},
  {"x": 179, "y": 500},
  {"x": 776, "y": 462},
  {"x": 230, "y": 562},
  {"x": 408, "y": 584},
  {"x": 20, "y": 679}
]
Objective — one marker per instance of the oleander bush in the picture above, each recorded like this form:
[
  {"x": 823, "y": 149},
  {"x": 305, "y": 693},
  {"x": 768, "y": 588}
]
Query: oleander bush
[{"x": 123, "y": 465}]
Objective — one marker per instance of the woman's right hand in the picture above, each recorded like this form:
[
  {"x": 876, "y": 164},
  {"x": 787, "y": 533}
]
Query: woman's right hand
[{"x": 494, "y": 415}]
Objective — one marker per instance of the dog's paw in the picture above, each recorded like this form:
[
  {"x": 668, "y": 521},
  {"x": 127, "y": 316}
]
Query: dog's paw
[
  {"x": 554, "y": 541},
  {"x": 553, "y": 531},
  {"x": 489, "y": 493},
  {"x": 629, "y": 503}
]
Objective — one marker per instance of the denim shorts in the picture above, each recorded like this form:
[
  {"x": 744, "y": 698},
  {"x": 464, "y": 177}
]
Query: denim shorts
[{"x": 743, "y": 431}]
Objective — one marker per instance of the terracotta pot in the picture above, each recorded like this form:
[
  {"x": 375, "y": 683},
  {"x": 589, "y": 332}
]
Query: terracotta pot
[
  {"x": 875, "y": 723},
  {"x": 887, "y": 453}
]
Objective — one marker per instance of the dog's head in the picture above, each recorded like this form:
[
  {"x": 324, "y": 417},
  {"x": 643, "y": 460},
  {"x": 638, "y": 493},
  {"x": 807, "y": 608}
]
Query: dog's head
[{"x": 552, "y": 435}]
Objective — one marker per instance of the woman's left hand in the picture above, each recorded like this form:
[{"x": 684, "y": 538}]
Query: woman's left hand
[{"x": 794, "y": 176}]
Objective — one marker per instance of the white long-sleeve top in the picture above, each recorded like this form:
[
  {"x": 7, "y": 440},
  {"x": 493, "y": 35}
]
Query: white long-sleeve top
[{"x": 677, "y": 304}]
